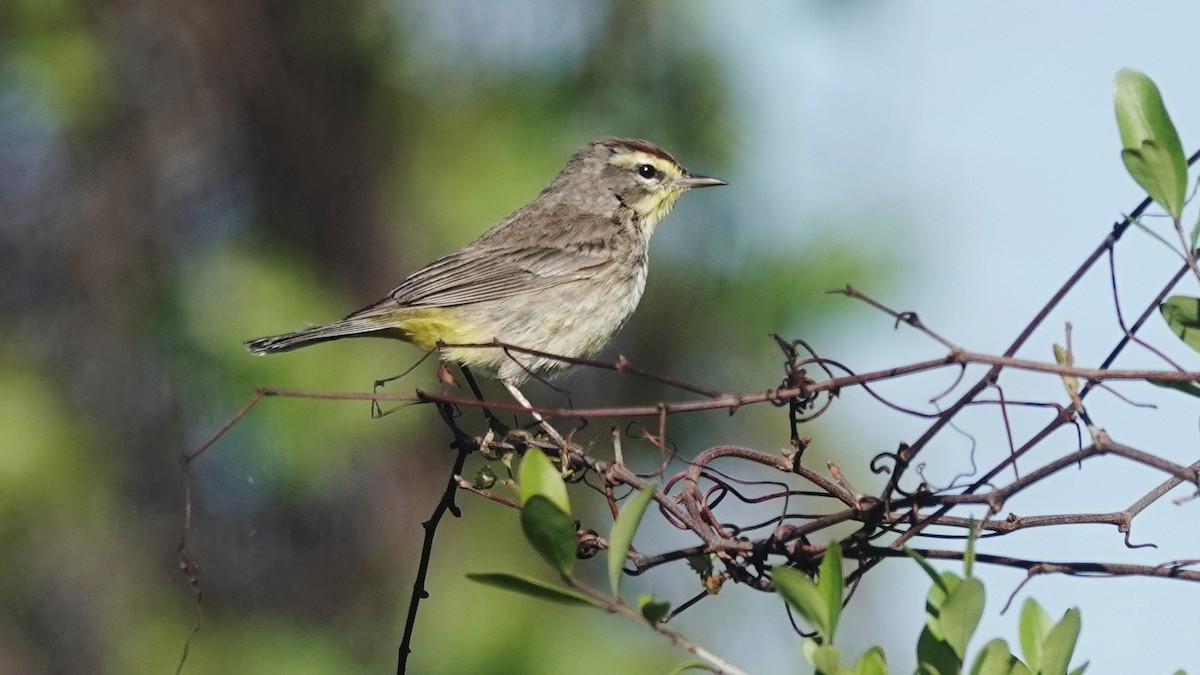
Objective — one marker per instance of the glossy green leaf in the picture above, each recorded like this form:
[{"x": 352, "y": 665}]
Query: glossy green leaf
[
  {"x": 1060, "y": 644},
  {"x": 1152, "y": 151},
  {"x": 874, "y": 662},
  {"x": 1182, "y": 314},
  {"x": 532, "y": 588},
  {"x": 831, "y": 583},
  {"x": 961, "y": 613},
  {"x": 621, "y": 538},
  {"x": 1035, "y": 624},
  {"x": 802, "y": 594},
  {"x": 653, "y": 609},
  {"x": 539, "y": 477},
  {"x": 551, "y": 532}
]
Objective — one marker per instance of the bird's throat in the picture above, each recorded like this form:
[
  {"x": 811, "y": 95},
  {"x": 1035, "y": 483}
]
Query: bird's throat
[{"x": 652, "y": 208}]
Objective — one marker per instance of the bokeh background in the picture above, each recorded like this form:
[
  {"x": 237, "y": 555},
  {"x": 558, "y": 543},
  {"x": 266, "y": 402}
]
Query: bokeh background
[{"x": 179, "y": 176}]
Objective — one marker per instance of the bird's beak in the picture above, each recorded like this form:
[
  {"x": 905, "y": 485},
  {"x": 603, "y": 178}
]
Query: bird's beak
[{"x": 689, "y": 181}]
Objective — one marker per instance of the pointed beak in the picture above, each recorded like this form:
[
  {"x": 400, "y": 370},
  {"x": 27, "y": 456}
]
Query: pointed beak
[{"x": 689, "y": 181}]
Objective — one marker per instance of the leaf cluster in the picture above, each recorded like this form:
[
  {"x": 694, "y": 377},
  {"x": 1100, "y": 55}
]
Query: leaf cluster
[{"x": 953, "y": 608}]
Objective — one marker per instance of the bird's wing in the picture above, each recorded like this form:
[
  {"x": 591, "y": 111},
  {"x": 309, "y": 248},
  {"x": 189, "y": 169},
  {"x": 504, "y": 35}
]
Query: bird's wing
[{"x": 477, "y": 274}]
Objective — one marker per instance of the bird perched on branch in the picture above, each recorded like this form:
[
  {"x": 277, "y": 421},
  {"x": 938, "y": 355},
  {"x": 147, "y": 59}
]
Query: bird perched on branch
[{"x": 560, "y": 275}]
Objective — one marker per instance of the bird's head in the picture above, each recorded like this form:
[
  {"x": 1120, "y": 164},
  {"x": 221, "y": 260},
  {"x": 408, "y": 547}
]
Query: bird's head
[{"x": 616, "y": 172}]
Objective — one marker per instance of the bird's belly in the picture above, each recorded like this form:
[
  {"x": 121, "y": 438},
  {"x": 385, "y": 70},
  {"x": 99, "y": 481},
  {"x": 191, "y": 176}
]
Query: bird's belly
[{"x": 575, "y": 320}]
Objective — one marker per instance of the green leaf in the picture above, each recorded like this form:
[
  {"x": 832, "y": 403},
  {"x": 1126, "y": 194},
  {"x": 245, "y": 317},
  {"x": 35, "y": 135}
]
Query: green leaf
[
  {"x": 1080, "y": 669},
  {"x": 551, "y": 532},
  {"x": 701, "y": 564},
  {"x": 539, "y": 477},
  {"x": 996, "y": 659},
  {"x": 1060, "y": 644},
  {"x": 809, "y": 649},
  {"x": 1182, "y": 314},
  {"x": 1185, "y": 387},
  {"x": 831, "y": 583},
  {"x": 1035, "y": 624},
  {"x": 873, "y": 662},
  {"x": 993, "y": 659},
  {"x": 935, "y": 657},
  {"x": 935, "y": 599},
  {"x": 802, "y": 594},
  {"x": 969, "y": 556},
  {"x": 485, "y": 478},
  {"x": 1152, "y": 151},
  {"x": 653, "y": 609},
  {"x": 961, "y": 613},
  {"x": 533, "y": 588},
  {"x": 827, "y": 658},
  {"x": 933, "y": 650},
  {"x": 622, "y": 535}
]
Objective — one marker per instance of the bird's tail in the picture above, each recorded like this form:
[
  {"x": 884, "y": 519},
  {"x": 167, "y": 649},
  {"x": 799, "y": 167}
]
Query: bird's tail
[{"x": 308, "y": 336}]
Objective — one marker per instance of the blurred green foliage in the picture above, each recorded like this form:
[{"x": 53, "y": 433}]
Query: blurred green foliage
[{"x": 59, "y": 59}]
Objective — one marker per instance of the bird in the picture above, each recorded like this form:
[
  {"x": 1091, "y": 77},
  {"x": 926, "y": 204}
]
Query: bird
[{"x": 559, "y": 276}]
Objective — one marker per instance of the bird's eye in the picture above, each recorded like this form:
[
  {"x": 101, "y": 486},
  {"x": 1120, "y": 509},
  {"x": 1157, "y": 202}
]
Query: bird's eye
[{"x": 647, "y": 171}]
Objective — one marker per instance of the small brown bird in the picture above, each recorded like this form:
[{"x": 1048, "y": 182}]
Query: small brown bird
[{"x": 560, "y": 275}]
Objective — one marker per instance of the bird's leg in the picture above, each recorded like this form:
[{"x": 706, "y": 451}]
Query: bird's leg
[
  {"x": 520, "y": 398},
  {"x": 494, "y": 424}
]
